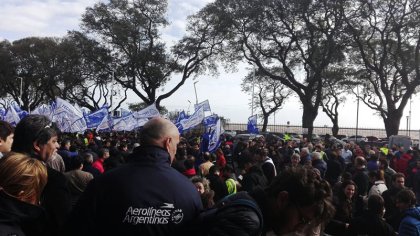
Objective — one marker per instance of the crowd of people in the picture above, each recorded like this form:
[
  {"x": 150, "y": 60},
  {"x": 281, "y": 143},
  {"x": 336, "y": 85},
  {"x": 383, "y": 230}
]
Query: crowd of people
[{"x": 156, "y": 182}]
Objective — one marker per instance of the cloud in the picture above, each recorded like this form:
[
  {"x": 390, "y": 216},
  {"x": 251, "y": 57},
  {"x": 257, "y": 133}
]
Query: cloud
[{"x": 23, "y": 18}]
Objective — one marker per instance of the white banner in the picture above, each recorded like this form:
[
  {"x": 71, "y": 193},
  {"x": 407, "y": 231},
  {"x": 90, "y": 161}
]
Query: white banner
[
  {"x": 205, "y": 105},
  {"x": 194, "y": 120},
  {"x": 148, "y": 112}
]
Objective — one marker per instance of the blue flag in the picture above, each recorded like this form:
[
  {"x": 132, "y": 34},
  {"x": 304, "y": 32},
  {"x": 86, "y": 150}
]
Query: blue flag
[
  {"x": 252, "y": 125},
  {"x": 95, "y": 118},
  {"x": 210, "y": 121}
]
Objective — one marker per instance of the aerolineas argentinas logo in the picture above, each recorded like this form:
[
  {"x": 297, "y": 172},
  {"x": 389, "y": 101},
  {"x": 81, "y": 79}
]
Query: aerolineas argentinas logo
[{"x": 154, "y": 215}]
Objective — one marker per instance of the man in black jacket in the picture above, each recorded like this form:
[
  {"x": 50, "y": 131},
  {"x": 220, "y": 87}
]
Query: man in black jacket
[
  {"x": 37, "y": 136},
  {"x": 144, "y": 197}
]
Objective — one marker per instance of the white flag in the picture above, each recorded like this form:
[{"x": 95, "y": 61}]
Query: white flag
[{"x": 148, "y": 112}]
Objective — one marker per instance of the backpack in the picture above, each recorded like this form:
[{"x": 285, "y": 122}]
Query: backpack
[{"x": 235, "y": 214}]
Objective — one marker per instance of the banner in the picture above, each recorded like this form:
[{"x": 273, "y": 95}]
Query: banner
[
  {"x": 210, "y": 121},
  {"x": 194, "y": 120},
  {"x": 43, "y": 109},
  {"x": 205, "y": 105},
  {"x": 95, "y": 118},
  {"x": 67, "y": 115},
  {"x": 252, "y": 125},
  {"x": 148, "y": 112},
  {"x": 181, "y": 116},
  {"x": 126, "y": 123},
  {"x": 12, "y": 116},
  {"x": 105, "y": 125},
  {"x": 214, "y": 140}
]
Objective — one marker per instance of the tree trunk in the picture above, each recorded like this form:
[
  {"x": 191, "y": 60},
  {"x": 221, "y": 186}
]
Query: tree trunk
[
  {"x": 265, "y": 122},
  {"x": 309, "y": 114},
  {"x": 335, "y": 128},
  {"x": 392, "y": 123}
]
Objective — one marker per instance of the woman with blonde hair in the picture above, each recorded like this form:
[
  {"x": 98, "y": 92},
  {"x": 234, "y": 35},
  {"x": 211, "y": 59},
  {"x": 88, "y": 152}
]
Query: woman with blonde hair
[{"x": 22, "y": 180}]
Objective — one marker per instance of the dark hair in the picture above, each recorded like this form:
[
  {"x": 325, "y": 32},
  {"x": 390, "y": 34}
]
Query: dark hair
[
  {"x": 376, "y": 204},
  {"x": 384, "y": 162},
  {"x": 5, "y": 130},
  {"x": 406, "y": 196},
  {"x": 102, "y": 151},
  {"x": 213, "y": 169},
  {"x": 397, "y": 175},
  {"x": 189, "y": 163},
  {"x": 343, "y": 186},
  {"x": 65, "y": 142},
  {"x": 76, "y": 162},
  {"x": 304, "y": 190},
  {"x": 31, "y": 129}
]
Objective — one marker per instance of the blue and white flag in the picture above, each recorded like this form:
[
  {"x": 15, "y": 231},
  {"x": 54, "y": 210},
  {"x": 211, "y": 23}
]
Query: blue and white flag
[
  {"x": 105, "y": 125},
  {"x": 42, "y": 109},
  {"x": 125, "y": 123},
  {"x": 125, "y": 112},
  {"x": 95, "y": 118},
  {"x": 66, "y": 115},
  {"x": 214, "y": 139},
  {"x": 210, "y": 121},
  {"x": 194, "y": 120},
  {"x": 252, "y": 125},
  {"x": 181, "y": 116},
  {"x": 205, "y": 105},
  {"x": 2, "y": 113},
  {"x": 12, "y": 116},
  {"x": 148, "y": 112}
]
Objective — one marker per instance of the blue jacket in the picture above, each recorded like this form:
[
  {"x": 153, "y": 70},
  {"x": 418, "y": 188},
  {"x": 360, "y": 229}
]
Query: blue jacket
[
  {"x": 143, "y": 197},
  {"x": 410, "y": 224}
]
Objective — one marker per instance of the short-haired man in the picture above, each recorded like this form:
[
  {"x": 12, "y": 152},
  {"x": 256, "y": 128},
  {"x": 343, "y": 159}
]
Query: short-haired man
[
  {"x": 392, "y": 214},
  {"x": 37, "y": 136},
  {"x": 6, "y": 137},
  {"x": 144, "y": 197}
]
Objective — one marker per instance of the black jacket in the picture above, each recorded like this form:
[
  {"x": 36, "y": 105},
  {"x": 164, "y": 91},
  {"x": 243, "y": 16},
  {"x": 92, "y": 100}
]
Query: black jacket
[
  {"x": 253, "y": 179},
  {"x": 369, "y": 224},
  {"x": 143, "y": 197},
  {"x": 20, "y": 218}
]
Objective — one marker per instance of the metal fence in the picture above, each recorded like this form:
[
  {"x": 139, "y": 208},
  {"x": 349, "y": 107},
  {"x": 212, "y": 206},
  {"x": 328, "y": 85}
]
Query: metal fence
[{"x": 380, "y": 133}]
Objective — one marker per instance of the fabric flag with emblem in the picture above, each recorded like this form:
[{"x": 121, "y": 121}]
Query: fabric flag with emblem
[{"x": 252, "y": 125}]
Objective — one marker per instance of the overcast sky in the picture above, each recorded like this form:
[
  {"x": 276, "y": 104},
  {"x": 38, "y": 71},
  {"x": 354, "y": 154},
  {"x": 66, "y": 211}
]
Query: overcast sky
[{"x": 24, "y": 18}]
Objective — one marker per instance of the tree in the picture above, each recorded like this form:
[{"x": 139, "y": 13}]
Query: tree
[
  {"x": 300, "y": 37},
  {"x": 335, "y": 87},
  {"x": 270, "y": 95},
  {"x": 129, "y": 30},
  {"x": 386, "y": 54},
  {"x": 89, "y": 82}
]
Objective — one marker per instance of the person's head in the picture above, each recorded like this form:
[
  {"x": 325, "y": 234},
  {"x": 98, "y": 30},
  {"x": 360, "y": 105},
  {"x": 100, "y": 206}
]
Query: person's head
[
  {"x": 295, "y": 159},
  {"x": 304, "y": 152},
  {"x": 6, "y": 136},
  {"x": 103, "y": 153},
  {"x": 376, "y": 205},
  {"x": 215, "y": 170},
  {"x": 201, "y": 183},
  {"x": 162, "y": 133},
  {"x": 77, "y": 162},
  {"x": 316, "y": 156},
  {"x": 23, "y": 177},
  {"x": 37, "y": 136},
  {"x": 348, "y": 189},
  {"x": 295, "y": 198},
  {"x": 398, "y": 180},
  {"x": 65, "y": 144},
  {"x": 359, "y": 162},
  {"x": 87, "y": 158},
  {"x": 405, "y": 199}
]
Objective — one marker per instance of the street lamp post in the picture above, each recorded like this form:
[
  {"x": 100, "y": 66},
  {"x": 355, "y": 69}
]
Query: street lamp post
[
  {"x": 357, "y": 113},
  {"x": 195, "y": 90}
]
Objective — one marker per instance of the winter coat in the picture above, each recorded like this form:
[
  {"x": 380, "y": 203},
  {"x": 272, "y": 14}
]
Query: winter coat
[
  {"x": 371, "y": 225},
  {"x": 253, "y": 179},
  {"x": 146, "y": 196},
  {"x": 410, "y": 224},
  {"x": 20, "y": 218}
]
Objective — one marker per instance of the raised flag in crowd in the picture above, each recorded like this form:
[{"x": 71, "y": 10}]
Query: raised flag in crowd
[
  {"x": 192, "y": 121},
  {"x": 11, "y": 116},
  {"x": 252, "y": 125},
  {"x": 95, "y": 118},
  {"x": 205, "y": 105}
]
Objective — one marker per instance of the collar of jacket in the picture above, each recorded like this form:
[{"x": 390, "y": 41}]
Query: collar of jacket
[
  {"x": 150, "y": 154},
  {"x": 18, "y": 211}
]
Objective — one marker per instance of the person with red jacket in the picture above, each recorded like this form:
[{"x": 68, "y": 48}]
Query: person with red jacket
[
  {"x": 400, "y": 160},
  {"x": 220, "y": 160}
]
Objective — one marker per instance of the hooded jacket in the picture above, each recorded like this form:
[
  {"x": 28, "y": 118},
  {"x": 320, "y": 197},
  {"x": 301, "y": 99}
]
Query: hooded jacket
[
  {"x": 20, "y": 218},
  {"x": 143, "y": 197},
  {"x": 410, "y": 224}
]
